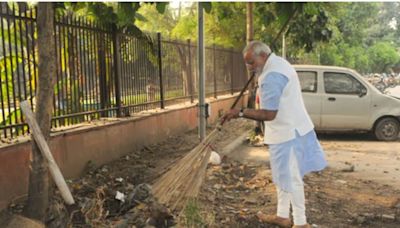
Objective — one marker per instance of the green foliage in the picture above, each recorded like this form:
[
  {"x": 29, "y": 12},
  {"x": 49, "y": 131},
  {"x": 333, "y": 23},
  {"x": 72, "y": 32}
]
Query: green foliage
[
  {"x": 342, "y": 54},
  {"x": 226, "y": 24},
  {"x": 362, "y": 38},
  {"x": 305, "y": 24},
  {"x": 286, "y": 10},
  {"x": 126, "y": 13},
  {"x": 161, "y": 6},
  {"x": 356, "y": 20},
  {"x": 163, "y": 23},
  {"x": 12, "y": 117},
  {"x": 8, "y": 66},
  {"x": 265, "y": 18},
  {"x": 383, "y": 55},
  {"x": 122, "y": 14},
  {"x": 185, "y": 29},
  {"x": 384, "y": 27},
  {"x": 321, "y": 33},
  {"x": 181, "y": 22},
  {"x": 207, "y": 6},
  {"x": 316, "y": 30}
]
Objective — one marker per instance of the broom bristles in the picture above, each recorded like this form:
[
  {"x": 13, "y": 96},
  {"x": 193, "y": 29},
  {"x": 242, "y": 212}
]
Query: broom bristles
[{"x": 184, "y": 179}]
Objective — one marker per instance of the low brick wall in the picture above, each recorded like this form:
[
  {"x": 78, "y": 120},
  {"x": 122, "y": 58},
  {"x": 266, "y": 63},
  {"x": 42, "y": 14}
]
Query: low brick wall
[{"x": 73, "y": 148}]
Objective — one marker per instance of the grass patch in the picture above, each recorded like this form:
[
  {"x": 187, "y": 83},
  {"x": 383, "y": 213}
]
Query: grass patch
[{"x": 192, "y": 216}]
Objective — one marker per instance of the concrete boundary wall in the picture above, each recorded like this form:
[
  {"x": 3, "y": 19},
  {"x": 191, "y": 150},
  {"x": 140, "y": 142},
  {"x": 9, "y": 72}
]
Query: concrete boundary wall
[{"x": 72, "y": 149}]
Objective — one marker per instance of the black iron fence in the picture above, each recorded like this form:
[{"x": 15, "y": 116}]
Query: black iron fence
[{"x": 102, "y": 72}]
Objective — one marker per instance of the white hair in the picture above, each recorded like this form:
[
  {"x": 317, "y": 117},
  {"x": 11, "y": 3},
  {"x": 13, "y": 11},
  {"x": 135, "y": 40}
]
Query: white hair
[{"x": 257, "y": 47}]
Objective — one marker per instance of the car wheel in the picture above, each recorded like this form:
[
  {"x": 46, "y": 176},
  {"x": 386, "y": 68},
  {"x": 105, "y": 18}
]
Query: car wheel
[{"x": 387, "y": 129}]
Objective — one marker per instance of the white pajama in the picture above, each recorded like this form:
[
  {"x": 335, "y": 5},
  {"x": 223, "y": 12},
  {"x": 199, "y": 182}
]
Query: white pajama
[{"x": 294, "y": 198}]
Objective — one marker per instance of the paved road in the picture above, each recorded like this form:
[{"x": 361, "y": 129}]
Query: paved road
[{"x": 371, "y": 160}]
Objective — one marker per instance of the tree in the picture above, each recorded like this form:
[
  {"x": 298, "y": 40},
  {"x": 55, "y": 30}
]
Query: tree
[
  {"x": 249, "y": 37},
  {"x": 355, "y": 20},
  {"x": 174, "y": 23},
  {"x": 346, "y": 47},
  {"x": 251, "y": 100},
  {"x": 360, "y": 32},
  {"x": 122, "y": 14},
  {"x": 226, "y": 24},
  {"x": 249, "y": 22},
  {"x": 383, "y": 56},
  {"x": 307, "y": 37},
  {"x": 38, "y": 195}
]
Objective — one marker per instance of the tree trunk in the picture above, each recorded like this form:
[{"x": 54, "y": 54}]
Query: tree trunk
[
  {"x": 251, "y": 100},
  {"x": 38, "y": 192},
  {"x": 249, "y": 22},
  {"x": 249, "y": 37}
]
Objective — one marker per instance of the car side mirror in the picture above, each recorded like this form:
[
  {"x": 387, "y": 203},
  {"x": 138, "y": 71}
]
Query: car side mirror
[{"x": 363, "y": 92}]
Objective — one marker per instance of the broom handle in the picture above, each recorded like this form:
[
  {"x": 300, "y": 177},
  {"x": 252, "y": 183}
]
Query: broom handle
[{"x": 253, "y": 74}]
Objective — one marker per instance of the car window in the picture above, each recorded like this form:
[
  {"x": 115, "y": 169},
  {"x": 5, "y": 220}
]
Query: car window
[
  {"x": 341, "y": 83},
  {"x": 308, "y": 81}
]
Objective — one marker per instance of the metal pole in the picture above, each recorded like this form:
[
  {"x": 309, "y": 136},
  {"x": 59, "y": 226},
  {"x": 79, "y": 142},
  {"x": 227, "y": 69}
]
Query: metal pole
[
  {"x": 232, "y": 71},
  {"x": 117, "y": 73},
  {"x": 190, "y": 77},
  {"x": 214, "y": 72},
  {"x": 103, "y": 75},
  {"x": 201, "y": 60},
  {"x": 283, "y": 46},
  {"x": 160, "y": 71}
]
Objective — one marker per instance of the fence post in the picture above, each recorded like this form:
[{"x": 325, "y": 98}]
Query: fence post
[
  {"x": 102, "y": 75},
  {"x": 160, "y": 70},
  {"x": 215, "y": 72},
  {"x": 190, "y": 73},
  {"x": 117, "y": 71},
  {"x": 232, "y": 70}
]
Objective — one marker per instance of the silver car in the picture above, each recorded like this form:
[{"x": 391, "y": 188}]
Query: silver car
[{"x": 340, "y": 99}]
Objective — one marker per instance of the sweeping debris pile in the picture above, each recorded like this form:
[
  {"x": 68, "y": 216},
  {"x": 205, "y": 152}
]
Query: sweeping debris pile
[{"x": 119, "y": 194}]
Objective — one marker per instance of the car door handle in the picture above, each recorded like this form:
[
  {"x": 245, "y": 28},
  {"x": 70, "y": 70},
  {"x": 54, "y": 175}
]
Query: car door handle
[{"x": 331, "y": 99}]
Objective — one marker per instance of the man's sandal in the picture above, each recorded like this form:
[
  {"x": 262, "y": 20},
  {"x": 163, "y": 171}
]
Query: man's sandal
[
  {"x": 274, "y": 219},
  {"x": 302, "y": 226}
]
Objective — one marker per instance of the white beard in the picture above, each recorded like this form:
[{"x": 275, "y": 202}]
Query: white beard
[{"x": 258, "y": 71}]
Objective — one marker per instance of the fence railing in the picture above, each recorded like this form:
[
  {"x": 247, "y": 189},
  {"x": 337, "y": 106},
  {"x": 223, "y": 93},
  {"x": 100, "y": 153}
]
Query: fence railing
[{"x": 102, "y": 72}]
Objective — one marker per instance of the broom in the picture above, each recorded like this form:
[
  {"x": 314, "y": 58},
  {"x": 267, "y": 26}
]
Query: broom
[{"x": 184, "y": 179}]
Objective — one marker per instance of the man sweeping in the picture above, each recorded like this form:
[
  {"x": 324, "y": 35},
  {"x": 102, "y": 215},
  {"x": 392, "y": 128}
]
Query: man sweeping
[{"x": 293, "y": 145}]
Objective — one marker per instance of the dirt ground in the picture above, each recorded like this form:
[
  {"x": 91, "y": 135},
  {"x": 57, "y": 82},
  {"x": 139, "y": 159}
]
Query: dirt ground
[
  {"x": 236, "y": 190},
  {"x": 360, "y": 188}
]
